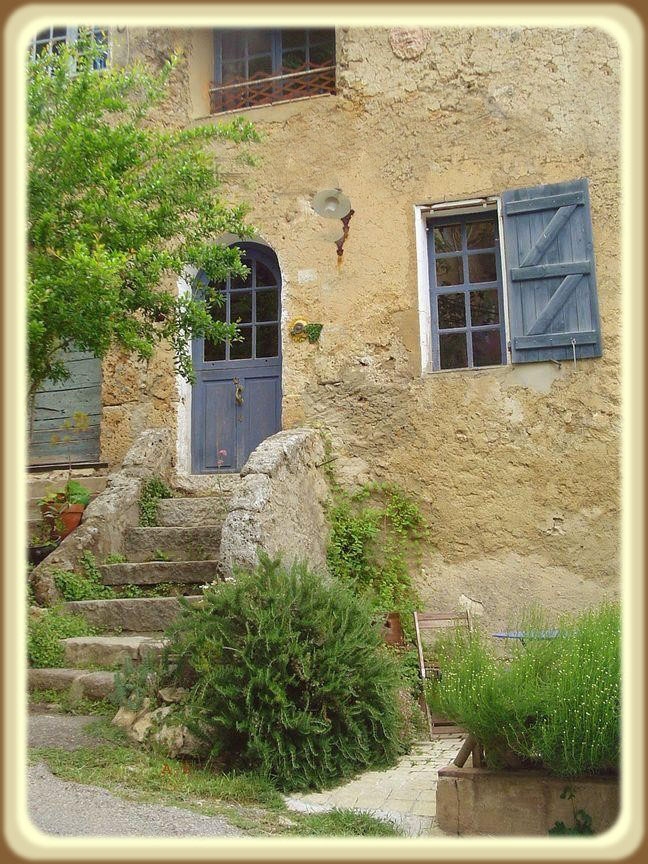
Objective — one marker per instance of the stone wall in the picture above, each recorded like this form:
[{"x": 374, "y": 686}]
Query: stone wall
[
  {"x": 516, "y": 467},
  {"x": 278, "y": 508}
]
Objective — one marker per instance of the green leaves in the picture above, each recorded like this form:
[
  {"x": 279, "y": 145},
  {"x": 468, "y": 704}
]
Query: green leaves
[{"x": 115, "y": 206}]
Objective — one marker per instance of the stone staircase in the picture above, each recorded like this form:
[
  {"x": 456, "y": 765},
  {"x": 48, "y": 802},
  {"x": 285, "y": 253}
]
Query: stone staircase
[{"x": 187, "y": 537}]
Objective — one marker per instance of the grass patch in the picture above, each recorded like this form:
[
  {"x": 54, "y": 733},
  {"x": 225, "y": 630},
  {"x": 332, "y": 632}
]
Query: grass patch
[
  {"x": 343, "y": 823},
  {"x": 69, "y": 705},
  {"x": 44, "y": 633}
]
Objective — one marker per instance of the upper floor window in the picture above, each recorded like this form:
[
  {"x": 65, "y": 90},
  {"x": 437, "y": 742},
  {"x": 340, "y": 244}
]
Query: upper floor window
[
  {"x": 260, "y": 67},
  {"x": 52, "y": 38}
]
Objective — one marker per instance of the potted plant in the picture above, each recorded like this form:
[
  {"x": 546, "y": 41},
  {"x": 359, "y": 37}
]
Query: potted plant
[
  {"x": 41, "y": 544},
  {"x": 62, "y": 509}
]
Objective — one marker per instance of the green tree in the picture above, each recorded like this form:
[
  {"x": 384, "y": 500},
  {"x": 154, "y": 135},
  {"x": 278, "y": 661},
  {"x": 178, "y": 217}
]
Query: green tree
[{"x": 117, "y": 203}]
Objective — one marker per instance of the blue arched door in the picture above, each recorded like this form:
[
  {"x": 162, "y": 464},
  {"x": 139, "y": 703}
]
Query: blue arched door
[{"x": 236, "y": 400}]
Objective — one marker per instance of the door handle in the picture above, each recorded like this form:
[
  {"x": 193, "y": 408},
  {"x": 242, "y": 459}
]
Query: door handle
[{"x": 238, "y": 392}]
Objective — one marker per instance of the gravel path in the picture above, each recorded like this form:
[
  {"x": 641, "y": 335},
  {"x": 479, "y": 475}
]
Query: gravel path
[{"x": 68, "y": 809}]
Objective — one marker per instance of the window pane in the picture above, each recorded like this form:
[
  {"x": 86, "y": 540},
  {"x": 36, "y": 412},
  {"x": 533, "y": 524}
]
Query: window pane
[
  {"x": 452, "y": 310},
  {"x": 233, "y": 71},
  {"x": 447, "y": 238},
  {"x": 259, "y": 41},
  {"x": 267, "y": 341},
  {"x": 260, "y": 66},
  {"x": 242, "y": 350},
  {"x": 487, "y": 348},
  {"x": 264, "y": 275},
  {"x": 294, "y": 59},
  {"x": 481, "y": 268},
  {"x": 449, "y": 271},
  {"x": 480, "y": 234},
  {"x": 241, "y": 306},
  {"x": 323, "y": 54},
  {"x": 327, "y": 36},
  {"x": 454, "y": 353},
  {"x": 232, "y": 44},
  {"x": 293, "y": 38},
  {"x": 484, "y": 307},
  {"x": 267, "y": 305},
  {"x": 213, "y": 352}
]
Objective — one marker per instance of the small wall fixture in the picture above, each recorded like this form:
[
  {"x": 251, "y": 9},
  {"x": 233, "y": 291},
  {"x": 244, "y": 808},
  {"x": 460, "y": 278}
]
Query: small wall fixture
[{"x": 331, "y": 203}]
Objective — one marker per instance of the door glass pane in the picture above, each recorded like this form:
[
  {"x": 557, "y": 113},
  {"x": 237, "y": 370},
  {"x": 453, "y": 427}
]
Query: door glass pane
[
  {"x": 267, "y": 305},
  {"x": 454, "y": 353},
  {"x": 218, "y": 309},
  {"x": 452, "y": 311},
  {"x": 484, "y": 307},
  {"x": 449, "y": 271},
  {"x": 264, "y": 276},
  {"x": 487, "y": 348},
  {"x": 481, "y": 268},
  {"x": 242, "y": 350},
  {"x": 241, "y": 306},
  {"x": 293, "y": 38},
  {"x": 447, "y": 238},
  {"x": 213, "y": 352},
  {"x": 480, "y": 235},
  {"x": 267, "y": 341},
  {"x": 241, "y": 281}
]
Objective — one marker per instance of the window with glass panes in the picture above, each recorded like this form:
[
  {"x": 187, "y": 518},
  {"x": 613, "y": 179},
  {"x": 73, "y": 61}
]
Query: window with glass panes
[
  {"x": 52, "y": 38},
  {"x": 261, "y": 66},
  {"x": 466, "y": 298}
]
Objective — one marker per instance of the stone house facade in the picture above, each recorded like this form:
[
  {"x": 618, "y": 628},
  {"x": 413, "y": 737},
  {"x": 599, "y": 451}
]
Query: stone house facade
[{"x": 434, "y": 161}]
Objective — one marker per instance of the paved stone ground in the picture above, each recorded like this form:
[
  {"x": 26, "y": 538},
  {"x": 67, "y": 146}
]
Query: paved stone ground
[{"x": 405, "y": 794}]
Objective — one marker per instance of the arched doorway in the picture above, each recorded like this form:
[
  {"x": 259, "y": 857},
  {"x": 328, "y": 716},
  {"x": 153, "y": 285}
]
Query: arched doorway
[{"x": 236, "y": 400}]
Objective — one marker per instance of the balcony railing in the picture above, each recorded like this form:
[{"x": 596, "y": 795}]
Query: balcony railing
[{"x": 262, "y": 89}]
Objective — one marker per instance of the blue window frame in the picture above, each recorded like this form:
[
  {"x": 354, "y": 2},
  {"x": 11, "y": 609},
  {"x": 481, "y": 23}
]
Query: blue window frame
[
  {"x": 466, "y": 296},
  {"x": 52, "y": 38},
  {"x": 262, "y": 66}
]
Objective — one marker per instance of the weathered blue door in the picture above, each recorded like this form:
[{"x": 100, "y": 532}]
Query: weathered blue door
[{"x": 236, "y": 400}]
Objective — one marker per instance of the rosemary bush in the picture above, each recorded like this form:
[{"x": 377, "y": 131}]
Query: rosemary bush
[
  {"x": 288, "y": 676},
  {"x": 555, "y": 703}
]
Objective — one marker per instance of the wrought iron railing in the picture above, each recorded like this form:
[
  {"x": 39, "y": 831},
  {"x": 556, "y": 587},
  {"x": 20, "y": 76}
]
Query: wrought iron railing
[{"x": 262, "y": 89}]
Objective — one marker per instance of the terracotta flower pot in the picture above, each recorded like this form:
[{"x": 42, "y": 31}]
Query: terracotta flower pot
[
  {"x": 69, "y": 519},
  {"x": 392, "y": 630}
]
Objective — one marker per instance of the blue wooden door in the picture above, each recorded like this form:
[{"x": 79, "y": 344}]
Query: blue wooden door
[{"x": 236, "y": 400}]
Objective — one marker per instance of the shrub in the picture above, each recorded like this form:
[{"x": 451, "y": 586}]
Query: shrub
[
  {"x": 87, "y": 585},
  {"x": 556, "y": 702},
  {"x": 288, "y": 676},
  {"x": 44, "y": 632}
]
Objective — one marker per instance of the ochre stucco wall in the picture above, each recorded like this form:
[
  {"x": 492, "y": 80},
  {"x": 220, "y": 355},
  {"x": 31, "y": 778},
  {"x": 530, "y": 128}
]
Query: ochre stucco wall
[{"x": 516, "y": 467}]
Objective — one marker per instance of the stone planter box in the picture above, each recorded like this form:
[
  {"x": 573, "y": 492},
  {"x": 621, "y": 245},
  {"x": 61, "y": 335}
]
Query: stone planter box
[{"x": 474, "y": 801}]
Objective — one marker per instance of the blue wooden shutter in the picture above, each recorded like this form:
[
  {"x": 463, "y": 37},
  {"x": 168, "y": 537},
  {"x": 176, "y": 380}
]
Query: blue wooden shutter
[
  {"x": 50, "y": 440},
  {"x": 553, "y": 307}
]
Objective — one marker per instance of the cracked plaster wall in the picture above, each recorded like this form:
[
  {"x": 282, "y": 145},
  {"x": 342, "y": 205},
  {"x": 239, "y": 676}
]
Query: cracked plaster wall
[{"x": 517, "y": 468}]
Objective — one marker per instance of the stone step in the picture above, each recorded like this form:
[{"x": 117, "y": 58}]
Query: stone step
[
  {"x": 155, "y": 572},
  {"x": 143, "y": 614},
  {"x": 192, "y": 512},
  {"x": 80, "y": 682},
  {"x": 109, "y": 650},
  {"x": 176, "y": 544},
  {"x": 37, "y": 487}
]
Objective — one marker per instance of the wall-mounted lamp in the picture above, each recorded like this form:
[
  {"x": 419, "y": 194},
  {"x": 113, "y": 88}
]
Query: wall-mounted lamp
[{"x": 331, "y": 203}]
